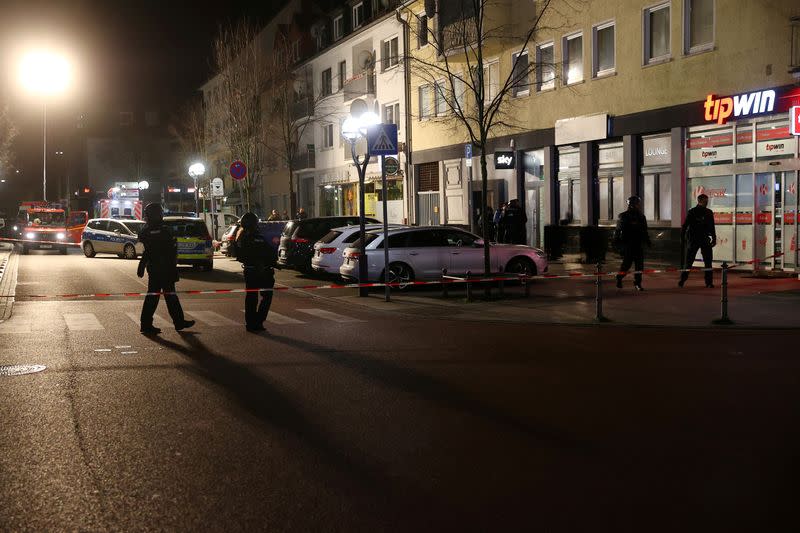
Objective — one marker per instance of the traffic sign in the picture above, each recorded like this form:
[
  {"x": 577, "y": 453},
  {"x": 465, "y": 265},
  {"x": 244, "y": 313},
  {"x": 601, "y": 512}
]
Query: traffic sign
[
  {"x": 238, "y": 170},
  {"x": 382, "y": 139},
  {"x": 468, "y": 154},
  {"x": 217, "y": 187},
  {"x": 391, "y": 165}
]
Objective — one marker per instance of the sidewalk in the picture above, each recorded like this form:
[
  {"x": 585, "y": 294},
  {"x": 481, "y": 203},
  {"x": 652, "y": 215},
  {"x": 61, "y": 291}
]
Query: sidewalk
[
  {"x": 8, "y": 274},
  {"x": 754, "y": 302}
]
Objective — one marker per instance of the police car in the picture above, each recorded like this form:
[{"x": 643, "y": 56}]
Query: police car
[
  {"x": 112, "y": 236},
  {"x": 195, "y": 246}
]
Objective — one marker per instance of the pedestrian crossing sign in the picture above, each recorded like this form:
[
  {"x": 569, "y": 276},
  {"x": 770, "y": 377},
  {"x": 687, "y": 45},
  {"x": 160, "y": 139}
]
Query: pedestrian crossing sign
[{"x": 382, "y": 139}]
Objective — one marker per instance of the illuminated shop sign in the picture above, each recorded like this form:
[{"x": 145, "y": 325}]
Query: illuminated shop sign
[
  {"x": 720, "y": 109},
  {"x": 503, "y": 160}
]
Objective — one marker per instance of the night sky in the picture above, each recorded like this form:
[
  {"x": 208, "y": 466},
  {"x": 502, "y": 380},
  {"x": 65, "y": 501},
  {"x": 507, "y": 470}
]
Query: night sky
[{"x": 130, "y": 53}]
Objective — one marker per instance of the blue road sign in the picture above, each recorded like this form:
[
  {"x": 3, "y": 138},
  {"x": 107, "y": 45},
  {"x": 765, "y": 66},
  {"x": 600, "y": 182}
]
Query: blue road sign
[
  {"x": 468, "y": 151},
  {"x": 382, "y": 139},
  {"x": 238, "y": 170}
]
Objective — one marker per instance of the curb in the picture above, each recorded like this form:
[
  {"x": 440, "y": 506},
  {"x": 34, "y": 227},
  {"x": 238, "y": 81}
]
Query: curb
[{"x": 8, "y": 283}]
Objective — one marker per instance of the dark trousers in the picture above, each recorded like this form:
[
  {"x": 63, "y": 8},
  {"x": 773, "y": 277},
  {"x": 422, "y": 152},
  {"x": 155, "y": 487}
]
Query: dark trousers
[
  {"x": 635, "y": 256},
  {"x": 255, "y": 312},
  {"x": 156, "y": 283},
  {"x": 708, "y": 256}
]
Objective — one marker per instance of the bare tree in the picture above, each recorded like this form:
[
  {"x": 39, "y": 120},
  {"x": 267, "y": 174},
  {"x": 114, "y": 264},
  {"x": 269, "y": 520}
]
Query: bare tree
[
  {"x": 7, "y": 134},
  {"x": 235, "y": 110},
  {"x": 454, "y": 69},
  {"x": 188, "y": 127}
]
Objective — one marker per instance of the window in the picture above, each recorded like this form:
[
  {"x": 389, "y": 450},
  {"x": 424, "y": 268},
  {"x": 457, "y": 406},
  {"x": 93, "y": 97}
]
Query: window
[
  {"x": 573, "y": 58},
  {"x": 326, "y": 82},
  {"x": 603, "y": 56},
  {"x": 546, "y": 71},
  {"x": 657, "y": 196},
  {"x": 358, "y": 15},
  {"x": 338, "y": 27},
  {"x": 391, "y": 114},
  {"x": 327, "y": 135},
  {"x": 656, "y": 34},
  {"x": 491, "y": 75},
  {"x": 342, "y": 73},
  {"x": 520, "y": 86},
  {"x": 424, "y": 238},
  {"x": 425, "y": 102},
  {"x": 457, "y": 238},
  {"x": 459, "y": 92},
  {"x": 612, "y": 198},
  {"x": 569, "y": 201},
  {"x": 389, "y": 53},
  {"x": 422, "y": 30},
  {"x": 698, "y": 25},
  {"x": 440, "y": 102}
]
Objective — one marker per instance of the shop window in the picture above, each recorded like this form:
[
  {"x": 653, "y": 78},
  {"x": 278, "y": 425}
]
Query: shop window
[
  {"x": 394, "y": 190},
  {"x": 656, "y": 34},
  {"x": 572, "y": 48},
  {"x": 698, "y": 25},
  {"x": 721, "y": 200},
  {"x": 774, "y": 140},
  {"x": 612, "y": 198},
  {"x": 546, "y": 68},
  {"x": 710, "y": 146},
  {"x": 657, "y": 197},
  {"x": 338, "y": 27},
  {"x": 603, "y": 50},
  {"x": 569, "y": 201},
  {"x": 520, "y": 85}
]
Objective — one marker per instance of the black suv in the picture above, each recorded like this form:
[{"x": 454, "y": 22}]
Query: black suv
[{"x": 297, "y": 240}]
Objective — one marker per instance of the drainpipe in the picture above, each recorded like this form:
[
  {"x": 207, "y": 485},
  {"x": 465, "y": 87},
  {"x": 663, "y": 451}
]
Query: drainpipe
[{"x": 410, "y": 187}]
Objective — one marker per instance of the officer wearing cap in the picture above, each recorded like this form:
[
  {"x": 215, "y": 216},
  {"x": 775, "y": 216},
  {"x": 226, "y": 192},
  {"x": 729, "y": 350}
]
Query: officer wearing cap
[
  {"x": 630, "y": 236},
  {"x": 258, "y": 261},
  {"x": 160, "y": 259},
  {"x": 699, "y": 233}
]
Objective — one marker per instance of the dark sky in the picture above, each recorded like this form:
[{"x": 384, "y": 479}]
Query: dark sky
[{"x": 130, "y": 53}]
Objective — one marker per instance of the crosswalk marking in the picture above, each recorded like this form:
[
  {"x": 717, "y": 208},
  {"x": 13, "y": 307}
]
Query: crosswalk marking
[
  {"x": 157, "y": 320},
  {"x": 211, "y": 318},
  {"x": 328, "y": 315},
  {"x": 277, "y": 318},
  {"x": 82, "y": 322},
  {"x": 15, "y": 326}
]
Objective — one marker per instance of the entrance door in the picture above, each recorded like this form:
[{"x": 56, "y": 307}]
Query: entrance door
[
  {"x": 428, "y": 212},
  {"x": 534, "y": 199},
  {"x": 766, "y": 240},
  {"x": 789, "y": 231}
]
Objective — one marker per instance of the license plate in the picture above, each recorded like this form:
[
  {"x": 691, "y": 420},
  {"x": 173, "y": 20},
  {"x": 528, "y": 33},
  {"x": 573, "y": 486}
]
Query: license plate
[{"x": 45, "y": 246}]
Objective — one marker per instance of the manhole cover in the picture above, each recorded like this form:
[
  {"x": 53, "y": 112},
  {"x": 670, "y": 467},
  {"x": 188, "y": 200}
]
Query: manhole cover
[{"x": 18, "y": 370}]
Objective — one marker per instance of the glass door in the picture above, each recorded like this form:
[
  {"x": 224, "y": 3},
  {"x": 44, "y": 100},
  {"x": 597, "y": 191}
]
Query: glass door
[
  {"x": 765, "y": 214},
  {"x": 789, "y": 219}
]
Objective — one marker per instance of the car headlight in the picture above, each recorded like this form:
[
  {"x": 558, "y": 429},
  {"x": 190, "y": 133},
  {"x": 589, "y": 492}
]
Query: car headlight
[
  {"x": 16, "y": 228},
  {"x": 29, "y": 235},
  {"x": 60, "y": 236}
]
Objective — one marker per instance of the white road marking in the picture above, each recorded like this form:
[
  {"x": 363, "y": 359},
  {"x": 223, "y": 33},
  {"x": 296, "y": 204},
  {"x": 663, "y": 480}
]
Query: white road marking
[
  {"x": 15, "y": 326},
  {"x": 328, "y": 315},
  {"x": 277, "y": 318},
  {"x": 119, "y": 347},
  {"x": 212, "y": 319},
  {"x": 82, "y": 322},
  {"x": 102, "y": 349},
  {"x": 157, "y": 320},
  {"x": 126, "y": 353}
]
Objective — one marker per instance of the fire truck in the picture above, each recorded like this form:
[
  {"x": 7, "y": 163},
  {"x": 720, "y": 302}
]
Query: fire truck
[{"x": 45, "y": 226}]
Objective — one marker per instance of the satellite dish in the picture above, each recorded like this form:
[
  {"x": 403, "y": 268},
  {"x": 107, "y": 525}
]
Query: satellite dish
[
  {"x": 358, "y": 107},
  {"x": 366, "y": 60}
]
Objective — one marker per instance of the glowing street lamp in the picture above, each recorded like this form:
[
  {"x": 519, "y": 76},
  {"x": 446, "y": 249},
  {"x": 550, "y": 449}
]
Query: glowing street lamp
[
  {"x": 196, "y": 170},
  {"x": 45, "y": 74}
]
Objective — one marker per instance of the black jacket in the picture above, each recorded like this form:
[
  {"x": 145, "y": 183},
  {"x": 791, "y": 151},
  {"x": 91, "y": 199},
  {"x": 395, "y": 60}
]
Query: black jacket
[
  {"x": 631, "y": 230},
  {"x": 253, "y": 250},
  {"x": 698, "y": 228},
  {"x": 160, "y": 255}
]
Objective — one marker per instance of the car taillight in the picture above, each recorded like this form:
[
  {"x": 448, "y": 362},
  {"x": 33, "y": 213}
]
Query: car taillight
[
  {"x": 300, "y": 241},
  {"x": 352, "y": 255},
  {"x": 327, "y": 250}
]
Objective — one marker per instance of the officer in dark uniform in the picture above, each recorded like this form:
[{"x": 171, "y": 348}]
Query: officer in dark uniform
[
  {"x": 630, "y": 236},
  {"x": 699, "y": 233},
  {"x": 160, "y": 260},
  {"x": 514, "y": 220},
  {"x": 258, "y": 261}
]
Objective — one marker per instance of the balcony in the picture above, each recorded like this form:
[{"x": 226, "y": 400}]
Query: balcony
[
  {"x": 302, "y": 108},
  {"x": 304, "y": 160},
  {"x": 360, "y": 85}
]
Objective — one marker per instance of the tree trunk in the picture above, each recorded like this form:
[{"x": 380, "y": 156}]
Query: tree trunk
[
  {"x": 487, "y": 264},
  {"x": 292, "y": 197}
]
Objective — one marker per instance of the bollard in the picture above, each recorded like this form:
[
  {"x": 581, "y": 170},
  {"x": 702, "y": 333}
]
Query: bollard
[
  {"x": 469, "y": 286},
  {"x": 501, "y": 285},
  {"x": 724, "y": 319},
  {"x": 599, "y": 295},
  {"x": 444, "y": 283}
]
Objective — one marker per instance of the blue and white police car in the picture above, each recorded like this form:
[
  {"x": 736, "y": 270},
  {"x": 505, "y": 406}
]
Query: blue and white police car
[{"x": 112, "y": 236}]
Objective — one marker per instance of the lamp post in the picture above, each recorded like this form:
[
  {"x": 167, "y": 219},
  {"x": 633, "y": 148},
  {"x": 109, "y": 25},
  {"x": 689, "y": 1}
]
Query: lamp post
[
  {"x": 46, "y": 74},
  {"x": 353, "y": 129},
  {"x": 196, "y": 170}
]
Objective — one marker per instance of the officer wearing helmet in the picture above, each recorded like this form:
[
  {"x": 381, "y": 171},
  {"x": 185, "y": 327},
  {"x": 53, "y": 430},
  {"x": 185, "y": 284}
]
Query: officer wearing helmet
[
  {"x": 630, "y": 236},
  {"x": 258, "y": 261},
  {"x": 160, "y": 259}
]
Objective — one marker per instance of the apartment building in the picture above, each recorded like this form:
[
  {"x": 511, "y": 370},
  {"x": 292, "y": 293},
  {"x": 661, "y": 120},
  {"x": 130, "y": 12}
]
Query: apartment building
[{"x": 660, "y": 99}]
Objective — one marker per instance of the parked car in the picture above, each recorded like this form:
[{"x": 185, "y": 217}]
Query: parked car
[
  {"x": 328, "y": 250},
  {"x": 194, "y": 241},
  {"x": 420, "y": 253},
  {"x": 298, "y": 238},
  {"x": 270, "y": 230},
  {"x": 112, "y": 236},
  {"x": 227, "y": 238}
]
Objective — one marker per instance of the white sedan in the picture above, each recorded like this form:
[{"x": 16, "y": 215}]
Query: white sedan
[
  {"x": 420, "y": 253},
  {"x": 328, "y": 250}
]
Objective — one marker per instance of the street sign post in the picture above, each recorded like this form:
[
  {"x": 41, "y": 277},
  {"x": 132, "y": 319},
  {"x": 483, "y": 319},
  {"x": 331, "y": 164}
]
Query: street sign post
[
  {"x": 217, "y": 187},
  {"x": 468, "y": 154},
  {"x": 392, "y": 165},
  {"x": 238, "y": 170},
  {"x": 382, "y": 139},
  {"x": 468, "y": 160}
]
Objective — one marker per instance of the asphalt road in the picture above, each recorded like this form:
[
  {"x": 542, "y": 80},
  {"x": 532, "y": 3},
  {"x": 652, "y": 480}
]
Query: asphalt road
[{"x": 344, "y": 418}]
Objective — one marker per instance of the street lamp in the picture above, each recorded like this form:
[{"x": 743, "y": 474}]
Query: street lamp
[
  {"x": 46, "y": 74},
  {"x": 353, "y": 129},
  {"x": 195, "y": 171}
]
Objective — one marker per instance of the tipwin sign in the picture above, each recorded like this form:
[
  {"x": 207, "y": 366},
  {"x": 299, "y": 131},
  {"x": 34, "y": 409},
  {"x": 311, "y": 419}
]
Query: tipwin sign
[{"x": 742, "y": 105}]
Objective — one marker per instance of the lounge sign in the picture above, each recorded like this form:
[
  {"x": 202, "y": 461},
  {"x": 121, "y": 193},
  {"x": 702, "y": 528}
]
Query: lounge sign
[{"x": 503, "y": 160}]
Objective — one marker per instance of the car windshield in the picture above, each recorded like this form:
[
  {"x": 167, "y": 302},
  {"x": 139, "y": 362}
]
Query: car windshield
[
  {"x": 47, "y": 219},
  {"x": 134, "y": 226},
  {"x": 187, "y": 228},
  {"x": 330, "y": 237},
  {"x": 370, "y": 237}
]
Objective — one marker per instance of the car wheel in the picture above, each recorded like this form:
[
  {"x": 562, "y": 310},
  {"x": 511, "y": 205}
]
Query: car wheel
[
  {"x": 129, "y": 252},
  {"x": 208, "y": 266},
  {"x": 88, "y": 249},
  {"x": 521, "y": 266},
  {"x": 399, "y": 273}
]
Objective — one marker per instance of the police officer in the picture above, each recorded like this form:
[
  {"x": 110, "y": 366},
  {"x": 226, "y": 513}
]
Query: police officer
[
  {"x": 160, "y": 260},
  {"x": 630, "y": 236},
  {"x": 514, "y": 219},
  {"x": 258, "y": 261},
  {"x": 699, "y": 233}
]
